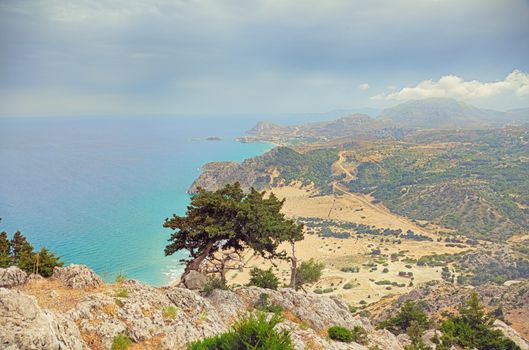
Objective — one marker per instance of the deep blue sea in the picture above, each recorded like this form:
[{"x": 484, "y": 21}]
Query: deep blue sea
[{"x": 97, "y": 190}]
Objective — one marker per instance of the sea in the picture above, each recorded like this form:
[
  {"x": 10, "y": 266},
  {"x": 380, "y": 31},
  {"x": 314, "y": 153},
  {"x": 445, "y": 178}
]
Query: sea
[{"x": 97, "y": 190}]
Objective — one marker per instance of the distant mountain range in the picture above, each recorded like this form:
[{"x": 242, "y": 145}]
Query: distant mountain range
[
  {"x": 445, "y": 113},
  {"x": 395, "y": 122}
]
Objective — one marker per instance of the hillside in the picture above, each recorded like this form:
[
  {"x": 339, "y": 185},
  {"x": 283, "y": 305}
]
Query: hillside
[
  {"x": 445, "y": 113},
  {"x": 476, "y": 184},
  {"x": 75, "y": 310},
  {"x": 354, "y": 125}
]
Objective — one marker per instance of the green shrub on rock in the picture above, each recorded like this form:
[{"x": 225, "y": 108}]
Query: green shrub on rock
[
  {"x": 263, "y": 278},
  {"x": 340, "y": 334},
  {"x": 256, "y": 332}
]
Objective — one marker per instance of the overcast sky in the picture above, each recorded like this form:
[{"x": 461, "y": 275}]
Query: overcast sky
[{"x": 212, "y": 56}]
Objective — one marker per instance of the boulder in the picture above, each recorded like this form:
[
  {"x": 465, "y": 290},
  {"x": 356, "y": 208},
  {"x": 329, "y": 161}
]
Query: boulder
[
  {"x": 25, "y": 325},
  {"x": 194, "y": 280},
  {"x": 12, "y": 276},
  {"x": 511, "y": 334},
  {"x": 77, "y": 277}
]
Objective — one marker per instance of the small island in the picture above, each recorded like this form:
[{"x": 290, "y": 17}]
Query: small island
[{"x": 213, "y": 138}]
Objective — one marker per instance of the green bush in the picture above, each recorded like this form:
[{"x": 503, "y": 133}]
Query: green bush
[
  {"x": 265, "y": 305},
  {"x": 263, "y": 279},
  {"x": 212, "y": 284},
  {"x": 120, "y": 342},
  {"x": 122, "y": 293},
  {"x": 308, "y": 272},
  {"x": 348, "y": 286},
  {"x": 256, "y": 332},
  {"x": 169, "y": 312},
  {"x": 473, "y": 328},
  {"x": 408, "y": 313},
  {"x": 340, "y": 334}
]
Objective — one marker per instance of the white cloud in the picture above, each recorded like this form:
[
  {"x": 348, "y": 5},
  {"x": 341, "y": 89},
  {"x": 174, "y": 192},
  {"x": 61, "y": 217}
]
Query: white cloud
[
  {"x": 453, "y": 86},
  {"x": 363, "y": 86}
]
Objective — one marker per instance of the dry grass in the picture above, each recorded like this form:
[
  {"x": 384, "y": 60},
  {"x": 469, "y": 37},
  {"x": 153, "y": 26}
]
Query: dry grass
[
  {"x": 92, "y": 340},
  {"x": 54, "y": 295}
]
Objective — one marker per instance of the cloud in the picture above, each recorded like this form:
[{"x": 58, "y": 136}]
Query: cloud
[
  {"x": 453, "y": 86},
  {"x": 363, "y": 86}
]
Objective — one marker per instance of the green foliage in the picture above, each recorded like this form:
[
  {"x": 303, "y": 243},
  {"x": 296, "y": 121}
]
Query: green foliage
[
  {"x": 312, "y": 166},
  {"x": 120, "y": 342},
  {"x": 263, "y": 278},
  {"x": 22, "y": 252},
  {"x": 229, "y": 219},
  {"x": 5, "y": 258},
  {"x": 473, "y": 329},
  {"x": 410, "y": 313},
  {"x": 47, "y": 261},
  {"x": 348, "y": 286},
  {"x": 340, "y": 334},
  {"x": 308, "y": 272},
  {"x": 265, "y": 305},
  {"x": 169, "y": 312},
  {"x": 122, "y": 293},
  {"x": 19, "y": 252},
  {"x": 120, "y": 278},
  {"x": 253, "y": 332},
  {"x": 214, "y": 283},
  {"x": 455, "y": 186}
]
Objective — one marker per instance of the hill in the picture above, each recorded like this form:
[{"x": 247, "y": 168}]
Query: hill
[
  {"x": 445, "y": 113},
  {"x": 354, "y": 125}
]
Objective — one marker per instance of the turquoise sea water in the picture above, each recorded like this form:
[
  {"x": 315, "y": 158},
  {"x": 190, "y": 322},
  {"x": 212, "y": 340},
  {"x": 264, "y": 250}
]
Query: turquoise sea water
[{"x": 97, "y": 190}]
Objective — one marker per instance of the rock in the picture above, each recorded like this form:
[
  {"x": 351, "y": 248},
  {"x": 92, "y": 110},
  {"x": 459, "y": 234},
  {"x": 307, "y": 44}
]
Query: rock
[
  {"x": 511, "y": 334},
  {"x": 26, "y": 326},
  {"x": 12, "y": 276},
  {"x": 77, "y": 277},
  {"x": 404, "y": 339},
  {"x": 429, "y": 336},
  {"x": 194, "y": 280}
]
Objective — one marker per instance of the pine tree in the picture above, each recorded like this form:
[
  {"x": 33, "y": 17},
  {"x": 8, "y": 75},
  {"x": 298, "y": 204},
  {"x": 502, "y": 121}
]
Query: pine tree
[
  {"x": 22, "y": 252},
  {"x": 47, "y": 261},
  {"x": 5, "y": 258}
]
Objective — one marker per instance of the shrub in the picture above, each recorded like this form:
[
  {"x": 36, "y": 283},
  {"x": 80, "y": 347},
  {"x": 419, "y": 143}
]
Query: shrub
[
  {"x": 318, "y": 291},
  {"x": 120, "y": 278},
  {"x": 263, "y": 278},
  {"x": 409, "y": 312},
  {"x": 473, "y": 329},
  {"x": 212, "y": 284},
  {"x": 308, "y": 272},
  {"x": 340, "y": 334},
  {"x": 122, "y": 293},
  {"x": 264, "y": 304},
  {"x": 169, "y": 312},
  {"x": 120, "y": 342},
  {"x": 348, "y": 286},
  {"x": 327, "y": 290},
  {"x": 252, "y": 332}
]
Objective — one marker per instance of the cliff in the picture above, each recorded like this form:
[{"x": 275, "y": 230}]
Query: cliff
[{"x": 74, "y": 310}]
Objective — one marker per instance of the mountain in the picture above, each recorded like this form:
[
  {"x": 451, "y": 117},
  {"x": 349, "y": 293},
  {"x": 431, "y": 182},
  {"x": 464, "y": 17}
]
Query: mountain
[
  {"x": 354, "y": 125},
  {"x": 445, "y": 113}
]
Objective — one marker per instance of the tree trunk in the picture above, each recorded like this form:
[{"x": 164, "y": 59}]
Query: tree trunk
[
  {"x": 293, "y": 267},
  {"x": 195, "y": 263}
]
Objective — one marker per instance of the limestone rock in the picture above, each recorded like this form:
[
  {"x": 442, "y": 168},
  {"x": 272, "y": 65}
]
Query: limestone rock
[
  {"x": 26, "y": 326},
  {"x": 12, "y": 276},
  {"x": 77, "y": 276},
  {"x": 511, "y": 334},
  {"x": 194, "y": 280}
]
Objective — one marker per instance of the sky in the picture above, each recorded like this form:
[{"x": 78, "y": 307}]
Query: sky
[{"x": 125, "y": 57}]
